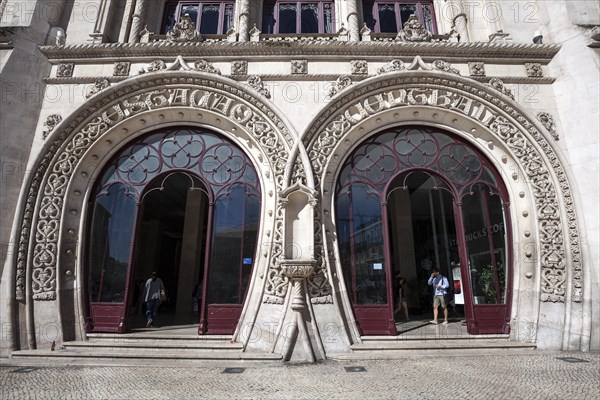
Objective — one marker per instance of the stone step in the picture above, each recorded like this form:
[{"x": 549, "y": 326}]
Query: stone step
[
  {"x": 134, "y": 343},
  {"x": 439, "y": 344},
  {"x": 106, "y": 354},
  {"x": 159, "y": 335},
  {"x": 433, "y": 336},
  {"x": 386, "y": 347}
]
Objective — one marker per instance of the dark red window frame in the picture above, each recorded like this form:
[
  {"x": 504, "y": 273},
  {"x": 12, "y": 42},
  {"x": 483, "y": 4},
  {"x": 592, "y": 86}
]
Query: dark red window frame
[
  {"x": 371, "y": 15},
  {"x": 173, "y": 13},
  {"x": 271, "y": 13}
]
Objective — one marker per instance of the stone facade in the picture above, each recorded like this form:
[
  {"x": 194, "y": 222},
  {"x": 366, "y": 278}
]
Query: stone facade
[{"x": 297, "y": 105}]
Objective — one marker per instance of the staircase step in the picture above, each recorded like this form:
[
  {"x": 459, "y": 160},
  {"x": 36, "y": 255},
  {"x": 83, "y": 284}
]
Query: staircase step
[
  {"x": 149, "y": 335},
  {"x": 440, "y": 344},
  {"x": 433, "y": 336},
  {"x": 147, "y": 354},
  {"x": 154, "y": 344}
]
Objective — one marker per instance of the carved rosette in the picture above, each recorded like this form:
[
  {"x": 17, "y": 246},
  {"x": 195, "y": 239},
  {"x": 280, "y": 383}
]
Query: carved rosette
[
  {"x": 65, "y": 70},
  {"x": 239, "y": 68},
  {"x": 548, "y": 121},
  {"x": 205, "y": 66},
  {"x": 48, "y": 189},
  {"x": 299, "y": 66},
  {"x": 359, "y": 67},
  {"x": 445, "y": 66},
  {"x": 339, "y": 119},
  {"x": 99, "y": 85},
  {"x": 339, "y": 84},
  {"x": 393, "y": 66},
  {"x": 476, "y": 68},
  {"x": 184, "y": 31},
  {"x": 121, "y": 68},
  {"x": 534, "y": 70},
  {"x": 414, "y": 31},
  {"x": 256, "y": 83},
  {"x": 497, "y": 84},
  {"x": 51, "y": 121},
  {"x": 156, "y": 65}
]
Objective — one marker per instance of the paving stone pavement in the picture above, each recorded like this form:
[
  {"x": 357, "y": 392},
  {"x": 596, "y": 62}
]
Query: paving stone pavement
[{"x": 536, "y": 375}]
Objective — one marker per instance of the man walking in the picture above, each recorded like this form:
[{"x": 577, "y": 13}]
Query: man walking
[
  {"x": 440, "y": 285},
  {"x": 152, "y": 297}
]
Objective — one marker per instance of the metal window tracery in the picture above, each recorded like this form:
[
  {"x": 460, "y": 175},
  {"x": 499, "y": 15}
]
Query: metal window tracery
[
  {"x": 218, "y": 162},
  {"x": 379, "y": 159}
]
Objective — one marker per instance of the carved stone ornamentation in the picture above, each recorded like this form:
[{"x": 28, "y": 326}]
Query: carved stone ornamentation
[
  {"x": 51, "y": 121},
  {"x": 359, "y": 67},
  {"x": 299, "y": 67},
  {"x": 476, "y": 68},
  {"x": 205, "y": 66},
  {"x": 156, "y": 65},
  {"x": 99, "y": 85},
  {"x": 534, "y": 70},
  {"x": 365, "y": 34},
  {"x": 393, "y": 66},
  {"x": 184, "y": 31},
  {"x": 232, "y": 35},
  {"x": 343, "y": 34},
  {"x": 340, "y": 83},
  {"x": 40, "y": 244},
  {"x": 121, "y": 68},
  {"x": 445, "y": 66},
  {"x": 525, "y": 142},
  {"x": 239, "y": 68},
  {"x": 414, "y": 31},
  {"x": 256, "y": 83},
  {"x": 65, "y": 70},
  {"x": 548, "y": 121},
  {"x": 497, "y": 84},
  {"x": 254, "y": 34}
]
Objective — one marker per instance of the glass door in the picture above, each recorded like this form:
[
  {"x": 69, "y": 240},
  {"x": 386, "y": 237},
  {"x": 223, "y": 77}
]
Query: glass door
[
  {"x": 486, "y": 248},
  {"x": 422, "y": 236}
]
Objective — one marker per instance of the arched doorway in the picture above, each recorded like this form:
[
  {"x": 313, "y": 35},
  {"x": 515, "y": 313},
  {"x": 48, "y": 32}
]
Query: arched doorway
[
  {"x": 412, "y": 198},
  {"x": 184, "y": 202}
]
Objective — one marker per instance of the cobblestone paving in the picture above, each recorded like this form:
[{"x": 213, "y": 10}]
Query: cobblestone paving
[{"x": 521, "y": 376}]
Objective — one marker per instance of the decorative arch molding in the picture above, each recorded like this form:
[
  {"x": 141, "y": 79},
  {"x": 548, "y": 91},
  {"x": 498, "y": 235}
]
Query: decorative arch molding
[
  {"x": 140, "y": 104},
  {"x": 481, "y": 109}
]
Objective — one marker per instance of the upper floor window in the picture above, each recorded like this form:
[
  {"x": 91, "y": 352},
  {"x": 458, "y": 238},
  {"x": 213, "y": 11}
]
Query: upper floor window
[
  {"x": 210, "y": 17},
  {"x": 304, "y": 16},
  {"x": 390, "y": 16}
]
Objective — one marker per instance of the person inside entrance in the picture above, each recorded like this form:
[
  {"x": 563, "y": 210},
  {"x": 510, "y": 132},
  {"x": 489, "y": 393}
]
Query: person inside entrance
[{"x": 440, "y": 286}]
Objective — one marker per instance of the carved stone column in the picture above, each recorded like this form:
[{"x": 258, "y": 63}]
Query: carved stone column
[
  {"x": 298, "y": 271},
  {"x": 137, "y": 22},
  {"x": 353, "y": 28},
  {"x": 244, "y": 27}
]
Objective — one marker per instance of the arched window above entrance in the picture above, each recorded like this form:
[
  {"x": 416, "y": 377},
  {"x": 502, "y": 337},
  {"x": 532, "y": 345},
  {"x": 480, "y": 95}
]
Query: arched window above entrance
[{"x": 379, "y": 159}]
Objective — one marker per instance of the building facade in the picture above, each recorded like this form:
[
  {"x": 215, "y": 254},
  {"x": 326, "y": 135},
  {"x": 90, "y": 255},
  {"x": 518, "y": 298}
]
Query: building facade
[{"x": 293, "y": 159}]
